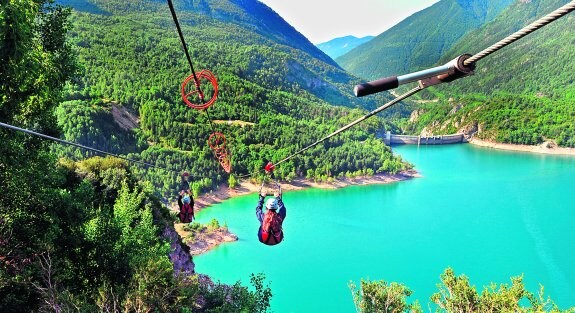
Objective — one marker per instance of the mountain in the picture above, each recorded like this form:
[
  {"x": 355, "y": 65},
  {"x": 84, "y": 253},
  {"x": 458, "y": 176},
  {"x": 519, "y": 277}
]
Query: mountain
[
  {"x": 275, "y": 95},
  {"x": 420, "y": 40},
  {"x": 342, "y": 45},
  {"x": 542, "y": 60},
  {"x": 523, "y": 94},
  {"x": 249, "y": 14}
]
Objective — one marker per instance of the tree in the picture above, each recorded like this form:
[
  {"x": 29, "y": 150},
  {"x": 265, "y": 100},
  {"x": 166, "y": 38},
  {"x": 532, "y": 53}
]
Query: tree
[
  {"x": 35, "y": 63},
  {"x": 232, "y": 181},
  {"x": 380, "y": 296},
  {"x": 457, "y": 295}
]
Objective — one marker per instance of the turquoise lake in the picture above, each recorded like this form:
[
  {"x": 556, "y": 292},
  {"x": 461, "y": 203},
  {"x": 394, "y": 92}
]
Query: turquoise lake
[{"x": 486, "y": 213}]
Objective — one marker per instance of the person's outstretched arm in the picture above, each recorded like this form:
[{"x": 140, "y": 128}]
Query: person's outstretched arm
[
  {"x": 192, "y": 206},
  {"x": 259, "y": 208},
  {"x": 282, "y": 208}
]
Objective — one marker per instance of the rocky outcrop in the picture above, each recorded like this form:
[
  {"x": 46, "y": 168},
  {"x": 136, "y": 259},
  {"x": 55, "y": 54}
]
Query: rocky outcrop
[
  {"x": 206, "y": 241},
  {"x": 179, "y": 253}
]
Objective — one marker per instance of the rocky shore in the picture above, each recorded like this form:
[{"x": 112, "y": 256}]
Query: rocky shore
[
  {"x": 547, "y": 147},
  {"x": 246, "y": 187},
  {"x": 204, "y": 239}
]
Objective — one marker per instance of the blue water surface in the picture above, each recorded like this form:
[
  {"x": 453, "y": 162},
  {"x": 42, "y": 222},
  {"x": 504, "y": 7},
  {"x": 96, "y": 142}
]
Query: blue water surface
[{"x": 486, "y": 213}]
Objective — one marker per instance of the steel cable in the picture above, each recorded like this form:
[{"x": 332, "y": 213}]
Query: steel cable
[
  {"x": 30, "y": 132},
  {"x": 562, "y": 11}
]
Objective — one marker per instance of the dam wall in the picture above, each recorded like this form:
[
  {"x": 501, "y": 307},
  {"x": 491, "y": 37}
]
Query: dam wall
[{"x": 391, "y": 139}]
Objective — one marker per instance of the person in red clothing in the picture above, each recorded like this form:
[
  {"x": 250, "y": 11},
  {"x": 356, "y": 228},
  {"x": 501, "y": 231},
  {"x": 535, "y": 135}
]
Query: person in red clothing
[
  {"x": 186, "y": 204},
  {"x": 270, "y": 231}
]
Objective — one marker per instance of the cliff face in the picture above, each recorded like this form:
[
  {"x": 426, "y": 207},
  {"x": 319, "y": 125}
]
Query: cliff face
[{"x": 179, "y": 252}]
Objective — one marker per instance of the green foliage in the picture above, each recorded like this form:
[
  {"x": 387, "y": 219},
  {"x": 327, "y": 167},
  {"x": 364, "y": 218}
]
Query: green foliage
[
  {"x": 94, "y": 124},
  {"x": 213, "y": 225},
  {"x": 194, "y": 226},
  {"x": 503, "y": 118},
  {"x": 237, "y": 298},
  {"x": 380, "y": 296},
  {"x": 232, "y": 181},
  {"x": 132, "y": 59},
  {"x": 198, "y": 231},
  {"x": 35, "y": 62},
  {"x": 457, "y": 295}
]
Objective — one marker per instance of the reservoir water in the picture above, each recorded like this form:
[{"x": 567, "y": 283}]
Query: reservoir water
[{"x": 485, "y": 213}]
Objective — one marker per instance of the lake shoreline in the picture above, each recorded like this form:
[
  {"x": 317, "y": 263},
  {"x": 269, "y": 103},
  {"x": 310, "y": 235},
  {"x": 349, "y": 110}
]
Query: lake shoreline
[
  {"x": 546, "y": 147},
  {"x": 246, "y": 187}
]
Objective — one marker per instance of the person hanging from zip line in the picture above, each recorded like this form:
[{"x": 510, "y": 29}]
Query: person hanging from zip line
[
  {"x": 186, "y": 204},
  {"x": 270, "y": 231}
]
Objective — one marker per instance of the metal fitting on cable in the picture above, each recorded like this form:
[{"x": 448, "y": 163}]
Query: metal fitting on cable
[{"x": 448, "y": 72}]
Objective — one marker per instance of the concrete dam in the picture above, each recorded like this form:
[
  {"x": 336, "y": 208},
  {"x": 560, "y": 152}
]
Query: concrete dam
[{"x": 391, "y": 139}]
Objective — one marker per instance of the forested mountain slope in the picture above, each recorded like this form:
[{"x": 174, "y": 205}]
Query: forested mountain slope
[
  {"x": 87, "y": 236},
  {"x": 525, "y": 93},
  {"x": 539, "y": 63},
  {"x": 133, "y": 61},
  {"x": 421, "y": 39}
]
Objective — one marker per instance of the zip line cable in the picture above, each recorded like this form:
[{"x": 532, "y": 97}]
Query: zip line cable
[
  {"x": 551, "y": 17},
  {"x": 219, "y": 149},
  {"x": 185, "y": 46},
  {"x": 359, "y": 120},
  {"x": 183, "y": 41},
  {"x": 82, "y": 146}
]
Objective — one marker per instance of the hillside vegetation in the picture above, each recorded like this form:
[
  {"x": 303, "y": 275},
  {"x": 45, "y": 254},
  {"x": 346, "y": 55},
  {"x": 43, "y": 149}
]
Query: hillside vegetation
[
  {"x": 523, "y": 94},
  {"x": 285, "y": 96},
  {"x": 84, "y": 236}
]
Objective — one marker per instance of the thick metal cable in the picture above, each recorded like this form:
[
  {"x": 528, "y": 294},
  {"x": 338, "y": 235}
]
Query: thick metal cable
[
  {"x": 81, "y": 146},
  {"x": 562, "y": 11},
  {"x": 175, "y": 17},
  {"x": 185, "y": 46},
  {"x": 359, "y": 120}
]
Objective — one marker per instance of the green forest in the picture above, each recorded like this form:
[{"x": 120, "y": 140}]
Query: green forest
[
  {"x": 86, "y": 236},
  {"x": 82, "y": 233},
  {"x": 273, "y": 100}
]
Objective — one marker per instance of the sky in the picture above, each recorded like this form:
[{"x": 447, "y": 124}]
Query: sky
[{"x": 323, "y": 20}]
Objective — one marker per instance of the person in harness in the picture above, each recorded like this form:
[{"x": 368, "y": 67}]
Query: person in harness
[
  {"x": 271, "y": 232},
  {"x": 186, "y": 204}
]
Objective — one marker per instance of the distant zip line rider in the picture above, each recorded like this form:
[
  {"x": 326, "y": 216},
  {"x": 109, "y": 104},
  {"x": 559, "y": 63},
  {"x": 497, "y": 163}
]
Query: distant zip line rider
[
  {"x": 271, "y": 232},
  {"x": 186, "y": 204}
]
